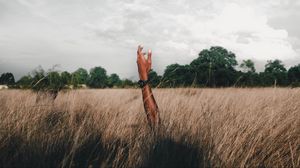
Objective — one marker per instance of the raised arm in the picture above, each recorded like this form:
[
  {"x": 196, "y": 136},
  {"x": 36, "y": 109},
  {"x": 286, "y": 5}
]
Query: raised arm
[{"x": 151, "y": 108}]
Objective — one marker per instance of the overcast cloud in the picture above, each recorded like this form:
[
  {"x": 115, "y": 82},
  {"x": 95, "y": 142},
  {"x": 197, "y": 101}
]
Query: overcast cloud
[{"x": 81, "y": 33}]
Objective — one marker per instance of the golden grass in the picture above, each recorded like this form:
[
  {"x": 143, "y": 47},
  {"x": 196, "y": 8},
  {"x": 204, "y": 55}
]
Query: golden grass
[{"x": 108, "y": 128}]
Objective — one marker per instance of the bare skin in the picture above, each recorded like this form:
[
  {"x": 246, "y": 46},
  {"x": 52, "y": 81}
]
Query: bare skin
[{"x": 151, "y": 108}]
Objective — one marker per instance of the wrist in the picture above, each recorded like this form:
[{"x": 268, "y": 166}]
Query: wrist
[{"x": 143, "y": 83}]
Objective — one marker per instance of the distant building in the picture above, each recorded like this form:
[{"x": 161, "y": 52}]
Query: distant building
[{"x": 3, "y": 87}]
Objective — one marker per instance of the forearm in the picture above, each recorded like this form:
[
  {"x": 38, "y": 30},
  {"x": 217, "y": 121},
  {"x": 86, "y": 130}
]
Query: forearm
[
  {"x": 144, "y": 67},
  {"x": 150, "y": 106}
]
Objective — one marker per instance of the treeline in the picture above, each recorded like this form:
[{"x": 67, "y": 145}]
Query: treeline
[
  {"x": 218, "y": 67},
  {"x": 39, "y": 79},
  {"x": 214, "y": 67}
]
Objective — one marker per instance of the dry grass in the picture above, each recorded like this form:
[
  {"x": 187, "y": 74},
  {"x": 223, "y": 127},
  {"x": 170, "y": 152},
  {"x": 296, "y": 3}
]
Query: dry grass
[{"x": 107, "y": 128}]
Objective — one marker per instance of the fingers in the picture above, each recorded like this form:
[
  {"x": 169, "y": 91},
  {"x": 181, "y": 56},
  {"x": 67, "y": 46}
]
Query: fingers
[
  {"x": 141, "y": 55},
  {"x": 149, "y": 59},
  {"x": 139, "y": 50}
]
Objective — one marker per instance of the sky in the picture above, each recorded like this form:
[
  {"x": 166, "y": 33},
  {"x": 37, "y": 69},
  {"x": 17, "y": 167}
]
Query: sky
[{"x": 88, "y": 33}]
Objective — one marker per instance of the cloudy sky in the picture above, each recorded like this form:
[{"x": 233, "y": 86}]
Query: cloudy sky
[{"x": 87, "y": 33}]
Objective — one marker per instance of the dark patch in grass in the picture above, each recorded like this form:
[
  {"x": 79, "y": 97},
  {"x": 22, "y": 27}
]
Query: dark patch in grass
[
  {"x": 18, "y": 153},
  {"x": 168, "y": 153},
  {"x": 92, "y": 153}
]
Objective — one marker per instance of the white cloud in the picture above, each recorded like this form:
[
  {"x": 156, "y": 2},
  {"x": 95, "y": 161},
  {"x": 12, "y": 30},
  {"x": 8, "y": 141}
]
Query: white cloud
[
  {"x": 261, "y": 41},
  {"x": 88, "y": 33},
  {"x": 232, "y": 23}
]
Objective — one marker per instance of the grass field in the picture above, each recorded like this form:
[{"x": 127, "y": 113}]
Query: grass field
[{"x": 108, "y": 128}]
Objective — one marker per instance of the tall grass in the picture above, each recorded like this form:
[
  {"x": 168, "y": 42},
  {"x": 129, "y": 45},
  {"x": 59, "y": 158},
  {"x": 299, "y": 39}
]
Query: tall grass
[{"x": 108, "y": 128}]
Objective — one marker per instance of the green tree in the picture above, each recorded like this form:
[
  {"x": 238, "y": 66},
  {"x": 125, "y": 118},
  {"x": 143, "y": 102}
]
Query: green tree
[
  {"x": 248, "y": 76},
  {"x": 7, "y": 79},
  {"x": 98, "y": 78},
  {"x": 25, "y": 82},
  {"x": 45, "y": 81},
  {"x": 39, "y": 79},
  {"x": 54, "y": 81},
  {"x": 247, "y": 79},
  {"x": 214, "y": 67},
  {"x": 154, "y": 79},
  {"x": 66, "y": 78},
  {"x": 80, "y": 76},
  {"x": 247, "y": 66},
  {"x": 176, "y": 75},
  {"x": 114, "y": 81},
  {"x": 294, "y": 75},
  {"x": 127, "y": 83},
  {"x": 274, "y": 66},
  {"x": 274, "y": 74}
]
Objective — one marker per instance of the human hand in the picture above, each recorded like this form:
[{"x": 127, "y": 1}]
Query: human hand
[{"x": 144, "y": 65}]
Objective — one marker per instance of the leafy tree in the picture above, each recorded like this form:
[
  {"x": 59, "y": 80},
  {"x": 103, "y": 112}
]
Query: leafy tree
[
  {"x": 176, "y": 75},
  {"x": 127, "y": 83},
  {"x": 39, "y": 79},
  {"x": 214, "y": 67},
  {"x": 54, "y": 81},
  {"x": 25, "y": 82},
  {"x": 247, "y": 77},
  {"x": 7, "y": 79},
  {"x": 294, "y": 75},
  {"x": 80, "y": 76},
  {"x": 274, "y": 74},
  {"x": 247, "y": 66},
  {"x": 274, "y": 66},
  {"x": 44, "y": 81},
  {"x": 66, "y": 78},
  {"x": 154, "y": 79},
  {"x": 114, "y": 80},
  {"x": 98, "y": 78}
]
